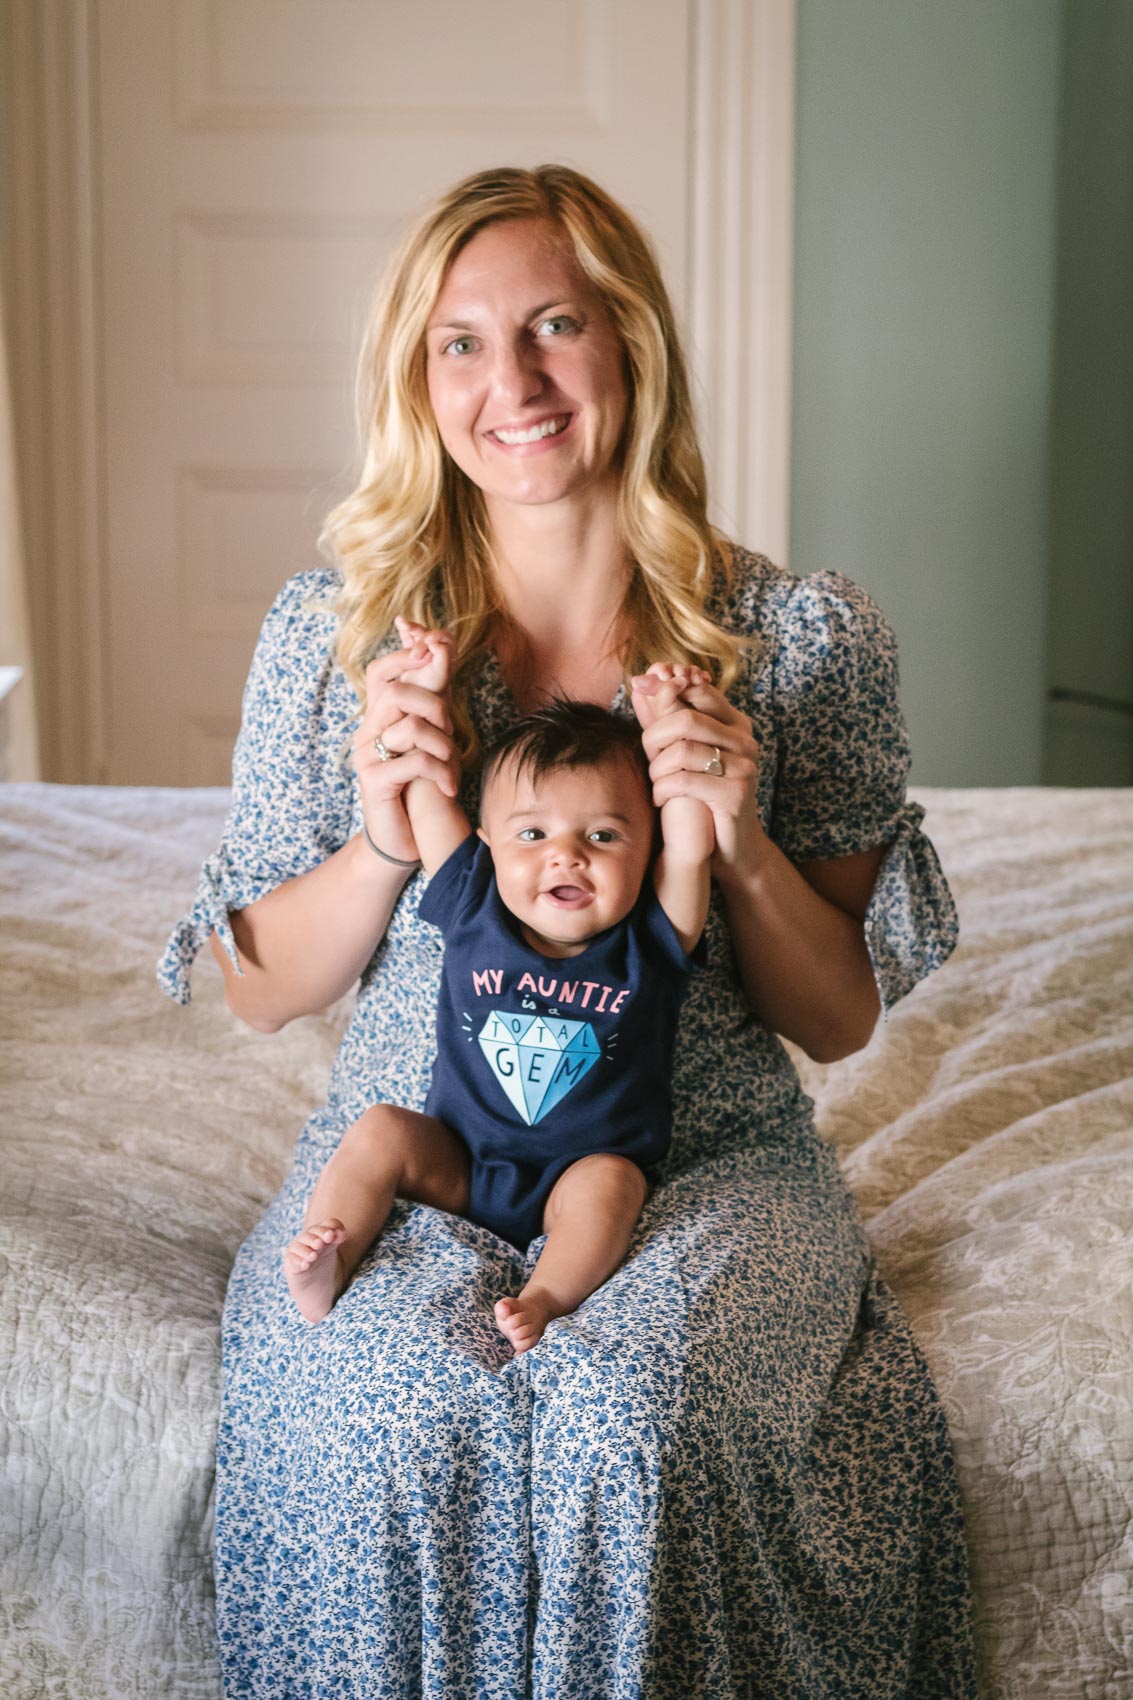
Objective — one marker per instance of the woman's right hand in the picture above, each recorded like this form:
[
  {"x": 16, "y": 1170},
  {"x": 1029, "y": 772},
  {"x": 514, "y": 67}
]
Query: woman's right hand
[{"x": 413, "y": 723}]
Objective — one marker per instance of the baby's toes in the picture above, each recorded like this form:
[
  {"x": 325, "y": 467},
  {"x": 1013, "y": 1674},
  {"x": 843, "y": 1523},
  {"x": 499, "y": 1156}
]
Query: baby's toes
[{"x": 308, "y": 1244}]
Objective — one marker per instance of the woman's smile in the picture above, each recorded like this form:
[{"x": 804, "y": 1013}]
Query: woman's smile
[{"x": 546, "y": 433}]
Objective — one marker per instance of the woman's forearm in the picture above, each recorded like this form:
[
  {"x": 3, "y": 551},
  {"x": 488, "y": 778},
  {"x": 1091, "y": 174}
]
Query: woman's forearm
[
  {"x": 305, "y": 944},
  {"x": 803, "y": 962}
]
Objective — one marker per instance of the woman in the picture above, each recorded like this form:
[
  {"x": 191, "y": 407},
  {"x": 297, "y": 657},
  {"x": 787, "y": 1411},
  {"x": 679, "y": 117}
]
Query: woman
[{"x": 728, "y": 1473}]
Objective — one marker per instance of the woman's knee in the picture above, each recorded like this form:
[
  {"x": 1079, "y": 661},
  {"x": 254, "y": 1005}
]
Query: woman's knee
[{"x": 599, "y": 1394}]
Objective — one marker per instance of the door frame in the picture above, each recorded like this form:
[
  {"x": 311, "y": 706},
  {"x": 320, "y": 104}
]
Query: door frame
[{"x": 51, "y": 300}]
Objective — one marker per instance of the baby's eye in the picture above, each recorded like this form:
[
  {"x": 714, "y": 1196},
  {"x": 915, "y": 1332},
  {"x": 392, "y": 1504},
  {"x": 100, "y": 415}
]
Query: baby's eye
[
  {"x": 603, "y": 835},
  {"x": 530, "y": 834}
]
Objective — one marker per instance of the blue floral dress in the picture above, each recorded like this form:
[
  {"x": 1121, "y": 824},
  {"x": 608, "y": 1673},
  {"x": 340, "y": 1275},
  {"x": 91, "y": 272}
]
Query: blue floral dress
[{"x": 728, "y": 1474}]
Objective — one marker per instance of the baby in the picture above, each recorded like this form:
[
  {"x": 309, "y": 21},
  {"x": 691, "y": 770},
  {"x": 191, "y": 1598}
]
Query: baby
[{"x": 568, "y": 945}]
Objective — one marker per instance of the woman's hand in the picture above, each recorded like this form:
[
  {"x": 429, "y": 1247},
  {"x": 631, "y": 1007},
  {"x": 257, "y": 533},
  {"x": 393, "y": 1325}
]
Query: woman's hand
[
  {"x": 409, "y": 717},
  {"x": 684, "y": 747}
]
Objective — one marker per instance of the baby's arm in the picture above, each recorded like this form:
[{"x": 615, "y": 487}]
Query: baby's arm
[
  {"x": 682, "y": 875},
  {"x": 439, "y": 823}
]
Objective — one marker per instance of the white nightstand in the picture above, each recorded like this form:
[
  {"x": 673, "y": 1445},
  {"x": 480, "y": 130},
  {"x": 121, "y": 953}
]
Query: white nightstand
[{"x": 9, "y": 679}]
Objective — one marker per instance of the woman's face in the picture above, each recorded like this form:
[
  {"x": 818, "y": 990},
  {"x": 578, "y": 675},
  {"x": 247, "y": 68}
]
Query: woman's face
[{"x": 519, "y": 338}]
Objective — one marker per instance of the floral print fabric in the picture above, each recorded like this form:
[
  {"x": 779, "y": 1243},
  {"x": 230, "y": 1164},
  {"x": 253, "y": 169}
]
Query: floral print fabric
[{"x": 727, "y": 1474}]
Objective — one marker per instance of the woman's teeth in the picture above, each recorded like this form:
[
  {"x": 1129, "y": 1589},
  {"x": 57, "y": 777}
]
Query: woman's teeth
[{"x": 549, "y": 428}]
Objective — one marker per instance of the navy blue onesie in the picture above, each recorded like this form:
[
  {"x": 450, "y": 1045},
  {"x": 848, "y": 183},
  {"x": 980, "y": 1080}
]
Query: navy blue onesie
[{"x": 542, "y": 1060}]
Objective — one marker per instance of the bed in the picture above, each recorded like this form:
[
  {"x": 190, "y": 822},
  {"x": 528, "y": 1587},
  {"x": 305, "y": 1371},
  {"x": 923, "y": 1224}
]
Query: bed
[{"x": 987, "y": 1132}]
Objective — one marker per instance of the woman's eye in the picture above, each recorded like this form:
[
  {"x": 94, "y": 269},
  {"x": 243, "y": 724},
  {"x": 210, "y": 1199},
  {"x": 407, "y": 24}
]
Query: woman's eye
[
  {"x": 454, "y": 342},
  {"x": 559, "y": 319}
]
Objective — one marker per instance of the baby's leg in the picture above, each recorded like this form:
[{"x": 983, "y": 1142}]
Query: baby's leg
[
  {"x": 589, "y": 1220},
  {"x": 387, "y": 1153}
]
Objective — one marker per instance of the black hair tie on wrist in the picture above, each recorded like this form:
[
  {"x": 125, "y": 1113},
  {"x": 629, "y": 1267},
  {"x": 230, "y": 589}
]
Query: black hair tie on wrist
[{"x": 396, "y": 860}]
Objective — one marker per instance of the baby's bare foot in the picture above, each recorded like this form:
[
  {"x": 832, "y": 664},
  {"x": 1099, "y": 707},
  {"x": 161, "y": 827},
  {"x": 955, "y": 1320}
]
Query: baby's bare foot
[
  {"x": 314, "y": 1269},
  {"x": 524, "y": 1319}
]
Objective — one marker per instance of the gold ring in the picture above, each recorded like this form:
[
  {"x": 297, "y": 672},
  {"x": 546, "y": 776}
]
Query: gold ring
[{"x": 715, "y": 766}]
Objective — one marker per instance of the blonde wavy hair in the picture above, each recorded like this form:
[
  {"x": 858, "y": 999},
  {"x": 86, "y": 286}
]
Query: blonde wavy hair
[{"x": 413, "y": 537}]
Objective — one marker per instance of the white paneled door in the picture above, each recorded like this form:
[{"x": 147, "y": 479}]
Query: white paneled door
[{"x": 257, "y": 159}]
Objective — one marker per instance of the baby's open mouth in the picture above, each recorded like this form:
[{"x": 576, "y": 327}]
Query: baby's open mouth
[{"x": 568, "y": 893}]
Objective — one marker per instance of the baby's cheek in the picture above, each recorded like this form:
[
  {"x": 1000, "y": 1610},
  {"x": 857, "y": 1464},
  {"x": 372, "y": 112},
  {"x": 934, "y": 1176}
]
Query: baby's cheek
[{"x": 510, "y": 884}]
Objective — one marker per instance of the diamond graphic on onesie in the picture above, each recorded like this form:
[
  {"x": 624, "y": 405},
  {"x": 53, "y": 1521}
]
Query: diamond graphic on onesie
[{"x": 537, "y": 1059}]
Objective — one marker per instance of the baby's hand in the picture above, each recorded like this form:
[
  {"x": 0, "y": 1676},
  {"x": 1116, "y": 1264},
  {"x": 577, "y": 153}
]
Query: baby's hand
[
  {"x": 658, "y": 691},
  {"x": 687, "y": 826},
  {"x": 431, "y": 652}
]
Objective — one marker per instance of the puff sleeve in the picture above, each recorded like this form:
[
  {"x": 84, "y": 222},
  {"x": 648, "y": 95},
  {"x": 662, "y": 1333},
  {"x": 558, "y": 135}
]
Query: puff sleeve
[
  {"x": 291, "y": 798},
  {"x": 842, "y": 767}
]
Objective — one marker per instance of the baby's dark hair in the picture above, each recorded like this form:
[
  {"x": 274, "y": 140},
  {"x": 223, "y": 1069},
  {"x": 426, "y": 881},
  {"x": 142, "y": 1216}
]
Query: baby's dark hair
[{"x": 562, "y": 733}]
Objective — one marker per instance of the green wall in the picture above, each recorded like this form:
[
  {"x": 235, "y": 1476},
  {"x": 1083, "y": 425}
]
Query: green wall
[
  {"x": 1090, "y": 632},
  {"x": 925, "y": 265}
]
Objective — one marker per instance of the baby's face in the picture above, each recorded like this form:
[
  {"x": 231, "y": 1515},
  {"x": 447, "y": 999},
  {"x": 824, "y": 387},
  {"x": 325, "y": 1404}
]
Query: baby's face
[{"x": 570, "y": 851}]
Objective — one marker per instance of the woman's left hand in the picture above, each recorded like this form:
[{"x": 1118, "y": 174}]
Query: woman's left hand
[{"x": 685, "y": 746}]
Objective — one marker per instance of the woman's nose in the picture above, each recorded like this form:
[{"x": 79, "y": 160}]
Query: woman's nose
[{"x": 516, "y": 373}]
